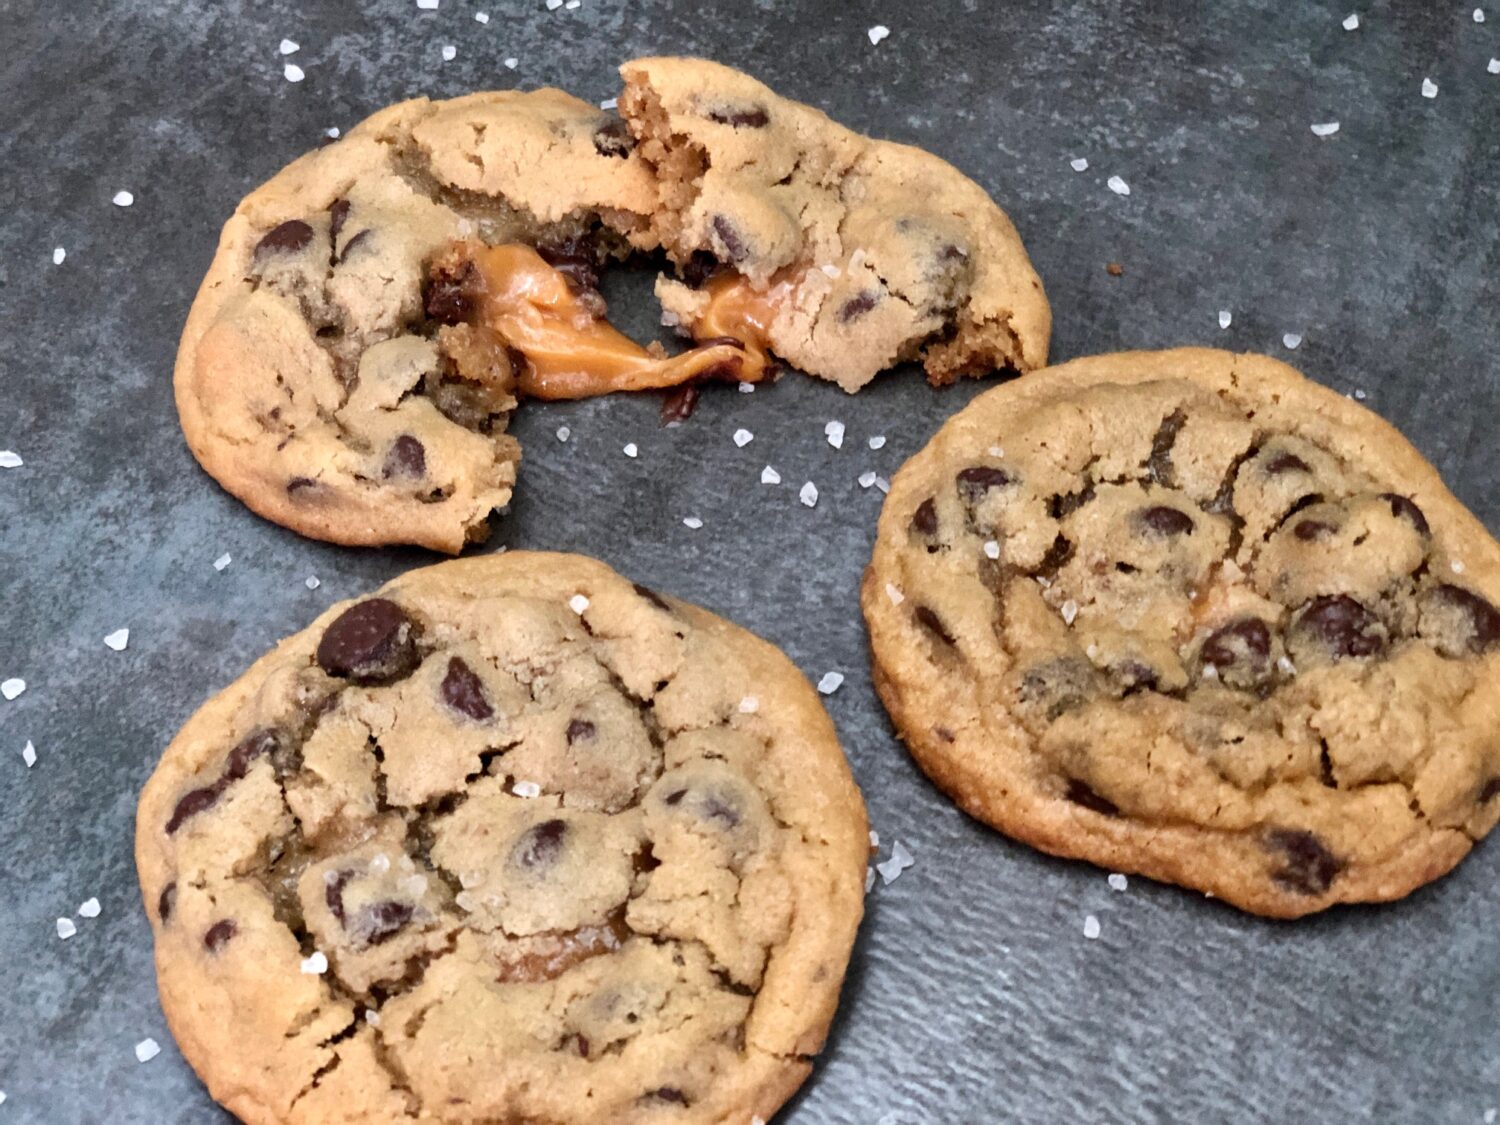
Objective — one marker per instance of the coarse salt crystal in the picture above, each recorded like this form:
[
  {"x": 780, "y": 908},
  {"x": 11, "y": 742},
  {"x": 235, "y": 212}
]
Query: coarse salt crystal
[
  {"x": 883, "y": 484},
  {"x": 1118, "y": 186},
  {"x": 631, "y": 449},
  {"x": 146, "y": 1050},
  {"x": 877, "y": 33},
  {"x": 1458, "y": 567},
  {"x": 1489, "y": 1116},
  {"x": 1351, "y": 21},
  {"x": 808, "y": 494},
  {"x": 450, "y": 52},
  {"x": 747, "y": 388},
  {"x": 749, "y": 705},
  {"x": 900, "y": 860},
  {"x": 118, "y": 639},
  {"x": 527, "y": 789},
  {"x": 578, "y": 603},
  {"x": 380, "y": 863},
  {"x": 222, "y": 561},
  {"x": 834, "y": 432},
  {"x": 1118, "y": 882},
  {"x": 830, "y": 683},
  {"x": 1226, "y": 318},
  {"x": 572, "y": 4},
  {"x": 867, "y": 479},
  {"x": 769, "y": 475},
  {"x": 481, "y": 17},
  {"x": 1210, "y": 672},
  {"x": 692, "y": 522},
  {"x": 59, "y": 256},
  {"x": 1079, "y": 164},
  {"x": 743, "y": 437},
  {"x": 427, "y": 5},
  {"x": 1326, "y": 129},
  {"x": 991, "y": 549},
  {"x": 830, "y": 271},
  {"x": 1429, "y": 88},
  {"x": 1286, "y": 666},
  {"x": 609, "y": 103},
  {"x": 66, "y": 928},
  {"x": 563, "y": 433},
  {"x": 1090, "y": 927},
  {"x": 123, "y": 199},
  {"x": 553, "y": 5},
  {"x": 89, "y": 908},
  {"x": 877, "y": 442},
  {"x": 28, "y": 754},
  {"x": 1478, "y": 15},
  {"x": 512, "y": 63},
  {"x": 290, "y": 47},
  {"x": 10, "y": 459},
  {"x": 312, "y": 582},
  {"x": 1292, "y": 340},
  {"x": 874, "y": 838},
  {"x": 896, "y": 596},
  {"x": 869, "y": 879},
  {"x": 12, "y": 687},
  {"x": 1360, "y": 394},
  {"x": 316, "y": 965},
  {"x": 372, "y": 1017},
  {"x": 293, "y": 72},
  {"x": 332, "y": 132},
  {"x": 996, "y": 451},
  {"x": 1069, "y": 610},
  {"x": 1494, "y": 66}
]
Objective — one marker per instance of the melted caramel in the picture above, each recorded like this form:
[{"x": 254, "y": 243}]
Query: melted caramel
[
  {"x": 544, "y": 957},
  {"x": 737, "y": 310}
]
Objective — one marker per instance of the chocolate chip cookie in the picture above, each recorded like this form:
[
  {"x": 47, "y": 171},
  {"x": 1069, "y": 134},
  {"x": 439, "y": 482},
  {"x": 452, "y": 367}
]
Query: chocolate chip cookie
[
  {"x": 511, "y": 839},
  {"x": 376, "y": 311},
  {"x": 1188, "y": 614}
]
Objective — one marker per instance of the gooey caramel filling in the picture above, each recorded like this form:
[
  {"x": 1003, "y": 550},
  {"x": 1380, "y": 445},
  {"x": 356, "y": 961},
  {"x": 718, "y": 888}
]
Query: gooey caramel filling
[{"x": 737, "y": 310}]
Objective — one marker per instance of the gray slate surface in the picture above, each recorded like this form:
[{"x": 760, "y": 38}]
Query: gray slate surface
[{"x": 973, "y": 996}]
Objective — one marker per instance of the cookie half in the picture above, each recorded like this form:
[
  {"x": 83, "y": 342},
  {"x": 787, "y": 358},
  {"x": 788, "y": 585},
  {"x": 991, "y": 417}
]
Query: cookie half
[
  {"x": 510, "y": 839},
  {"x": 1188, "y": 614}
]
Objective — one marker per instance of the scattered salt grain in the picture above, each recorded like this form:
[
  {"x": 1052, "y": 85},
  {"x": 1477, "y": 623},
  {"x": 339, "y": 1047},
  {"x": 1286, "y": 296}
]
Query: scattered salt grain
[
  {"x": 896, "y": 596},
  {"x": 1090, "y": 927},
  {"x": 66, "y": 928},
  {"x": 991, "y": 549},
  {"x": 332, "y": 133},
  {"x": 372, "y": 1017},
  {"x": 877, "y": 442},
  {"x": 809, "y": 494},
  {"x": 118, "y": 639},
  {"x": 1489, "y": 1116},
  {"x": 693, "y": 523},
  {"x": 1326, "y": 129},
  {"x": 1226, "y": 318},
  {"x": 1458, "y": 567},
  {"x": 148, "y": 1049},
  {"x": 563, "y": 433},
  {"x": 312, "y": 582},
  {"x": 59, "y": 256},
  {"x": 28, "y": 754},
  {"x": 1292, "y": 340},
  {"x": 867, "y": 479},
  {"x": 290, "y": 47},
  {"x": 830, "y": 271},
  {"x": 1211, "y": 672},
  {"x": 1494, "y": 66},
  {"x": 572, "y": 4},
  {"x": 12, "y": 687},
  {"x": 1351, "y": 21},
  {"x": 900, "y": 860},
  {"x": 996, "y": 451},
  {"x": 2, "y": 1099},
  {"x": 1118, "y": 882},
  {"x": 769, "y": 475},
  {"x": 834, "y": 432},
  {"x": 874, "y": 838},
  {"x": 293, "y": 72},
  {"x": 747, "y": 388},
  {"x": 1429, "y": 88},
  {"x": 450, "y": 52},
  {"x": 1286, "y": 667},
  {"x": 222, "y": 561},
  {"x": 427, "y": 5},
  {"x": 481, "y": 17},
  {"x": 869, "y": 879},
  {"x": 1478, "y": 15},
  {"x": 749, "y": 705},
  {"x": 830, "y": 683},
  {"x": 743, "y": 437},
  {"x": 1069, "y": 611},
  {"x": 512, "y": 63},
  {"x": 10, "y": 459},
  {"x": 1360, "y": 394},
  {"x": 877, "y": 33},
  {"x": 609, "y": 103},
  {"x": 553, "y": 5},
  {"x": 630, "y": 449},
  {"x": 1079, "y": 165},
  {"x": 380, "y": 863},
  {"x": 123, "y": 199},
  {"x": 527, "y": 789},
  {"x": 1118, "y": 186},
  {"x": 578, "y": 603},
  {"x": 89, "y": 908},
  {"x": 882, "y": 484},
  {"x": 316, "y": 965}
]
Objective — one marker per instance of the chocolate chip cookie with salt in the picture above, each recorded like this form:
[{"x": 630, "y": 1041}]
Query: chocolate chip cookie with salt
[
  {"x": 1190, "y": 615},
  {"x": 511, "y": 839}
]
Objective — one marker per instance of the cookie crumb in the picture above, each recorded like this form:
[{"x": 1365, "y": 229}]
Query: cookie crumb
[
  {"x": 1114, "y": 269},
  {"x": 809, "y": 495},
  {"x": 743, "y": 437},
  {"x": 563, "y": 433},
  {"x": 834, "y": 432},
  {"x": 450, "y": 52},
  {"x": 1118, "y": 882},
  {"x": 900, "y": 860},
  {"x": 1079, "y": 164},
  {"x": 289, "y": 47},
  {"x": 1429, "y": 88},
  {"x": 896, "y": 596},
  {"x": 148, "y": 1048},
  {"x": 830, "y": 683},
  {"x": 293, "y": 72},
  {"x": 578, "y": 603},
  {"x": 118, "y": 639},
  {"x": 66, "y": 928},
  {"x": 692, "y": 522},
  {"x": 749, "y": 705},
  {"x": 877, "y": 33},
  {"x": 527, "y": 789},
  {"x": 1226, "y": 318},
  {"x": 28, "y": 754},
  {"x": 1118, "y": 186},
  {"x": 867, "y": 479},
  {"x": 123, "y": 199},
  {"x": 1090, "y": 927},
  {"x": 769, "y": 475},
  {"x": 59, "y": 256},
  {"x": 316, "y": 965},
  {"x": 1292, "y": 340},
  {"x": 89, "y": 908},
  {"x": 312, "y": 582},
  {"x": 12, "y": 687},
  {"x": 991, "y": 549},
  {"x": 222, "y": 561},
  {"x": 877, "y": 442},
  {"x": 1351, "y": 21},
  {"x": 1327, "y": 129}
]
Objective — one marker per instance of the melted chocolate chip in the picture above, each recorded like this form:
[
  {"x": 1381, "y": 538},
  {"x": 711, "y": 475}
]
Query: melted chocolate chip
[
  {"x": 257, "y": 745},
  {"x": 166, "y": 901},
  {"x": 298, "y": 484},
  {"x": 580, "y": 729},
  {"x": 1342, "y": 625},
  {"x": 369, "y": 642},
  {"x": 1405, "y": 508},
  {"x": 715, "y": 808},
  {"x": 338, "y": 215},
  {"x": 858, "y": 305},
  {"x": 1285, "y": 462},
  {"x": 219, "y": 933},
  {"x": 194, "y": 802},
  {"x": 1159, "y": 464},
  {"x": 583, "y": 1045},
  {"x": 381, "y": 921},
  {"x": 450, "y": 295},
  {"x": 666, "y": 1094},
  {"x": 933, "y": 624},
  {"x": 753, "y": 117},
  {"x": 1310, "y": 867},
  {"x": 354, "y": 243},
  {"x": 675, "y": 797},
  {"x": 977, "y": 480},
  {"x": 731, "y": 239},
  {"x": 1135, "y": 676},
  {"x": 612, "y": 138},
  {"x": 1081, "y": 793},
  {"x": 1484, "y": 618},
  {"x": 333, "y": 894},
  {"x": 924, "y": 520},
  {"x": 1245, "y": 641},
  {"x": 1309, "y": 530},
  {"x": 1488, "y": 792},
  {"x": 406, "y": 459},
  {"x": 576, "y": 258},
  {"x": 1058, "y": 685},
  {"x": 288, "y": 238},
  {"x": 651, "y": 596},
  {"x": 1162, "y": 520},
  {"x": 463, "y": 691},
  {"x": 541, "y": 845},
  {"x": 698, "y": 268},
  {"x": 679, "y": 403}
]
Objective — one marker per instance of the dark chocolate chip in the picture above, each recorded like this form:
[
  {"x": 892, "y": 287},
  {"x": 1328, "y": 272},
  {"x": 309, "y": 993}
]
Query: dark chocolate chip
[
  {"x": 381, "y": 921},
  {"x": 1487, "y": 793},
  {"x": 1405, "y": 508},
  {"x": 1310, "y": 867},
  {"x": 1247, "y": 639},
  {"x": 944, "y": 733},
  {"x": 651, "y": 596},
  {"x": 540, "y": 845},
  {"x": 1163, "y": 520},
  {"x": 450, "y": 295},
  {"x": 406, "y": 459},
  {"x": 358, "y": 240},
  {"x": 583, "y": 1045},
  {"x": 1064, "y": 504},
  {"x": 730, "y": 238},
  {"x": 1081, "y": 793},
  {"x": 753, "y": 117},
  {"x": 1058, "y": 685},
  {"x": 219, "y": 933},
  {"x": 977, "y": 480},
  {"x": 679, "y": 403},
  {"x": 1308, "y": 530},
  {"x": 463, "y": 691},
  {"x": 1135, "y": 676},
  {"x": 612, "y": 138},
  {"x": 338, "y": 215},
  {"x": 675, "y": 798},
  {"x": 288, "y": 238},
  {"x": 1342, "y": 625},
  {"x": 1484, "y": 618},
  {"x": 1159, "y": 464},
  {"x": 299, "y": 484},
  {"x": 1285, "y": 462},
  {"x": 924, "y": 520},
  {"x": 666, "y": 1094},
  {"x": 194, "y": 802},
  {"x": 715, "y": 808},
  {"x": 933, "y": 624},
  {"x": 369, "y": 642},
  {"x": 858, "y": 305},
  {"x": 333, "y": 894},
  {"x": 576, "y": 258},
  {"x": 698, "y": 268},
  {"x": 166, "y": 901},
  {"x": 579, "y": 729}
]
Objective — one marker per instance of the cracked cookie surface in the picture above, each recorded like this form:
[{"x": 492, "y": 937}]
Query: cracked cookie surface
[
  {"x": 511, "y": 839},
  {"x": 1190, "y": 615}
]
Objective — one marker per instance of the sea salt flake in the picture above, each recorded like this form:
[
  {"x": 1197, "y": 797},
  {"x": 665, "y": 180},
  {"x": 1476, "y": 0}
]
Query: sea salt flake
[
  {"x": 290, "y": 47},
  {"x": 1494, "y": 66},
  {"x": 1286, "y": 667},
  {"x": 809, "y": 494},
  {"x": 332, "y": 133},
  {"x": 372, "y": 1017},
  {"x": 563, "y": 433},
  {"x": 769, "y": 475},
  {"x": 1080, "y": 164},
  {"x": 1360, "y": 394},
  {"x": 996, "y": 451},
  {"x": 1429, "y": 88},
  {"x": 830, "y": 683},
  {"x": 380, "y": 863},
  {"x": 10, "y": 459},
  {"x": 293, "y": 72},
  {"x": 631, "y": 449},
  {"x": 609, "y": 103},
  {"x": 869, "y": 880},
  {"x": 900, "y": 860},
  {"x": 66, "y": 928},
  {"x": 1327, "y": 129},
  {"x": 553, "y": 5},
  {"x": 450, "y": 52},
  {"x": 512, "y": 63},
  {"x": 572, "y": 4},
  {"x": 2, "y": 1100},
  {"x": 747, "y": 388},
  {"x": 1118, "y": 882},
  {"x": 1210, "y": 672},
  {"x": 428, "y": 5},
  {"x": 692, "y": 522},
  {"x": 28, "y": 754},
  {"x": 867, "y": 479},
  {"x": 877, "y": 33},
  {"x": 877, "y": 442},
  {"x": 12, "y": 687},
  {"x": 1292, "y": 340},
  {"x": 123, "y": 199},
  {"x": 481, "y": 17},
  {"x": 59, "y": 256},
  {"x": 1489, "y": 1116},
  {"x": 1478, "y": 15},
  {"x": 527, "y": 789},
  {"x": 312, "y": 582},
  {"x": 1069, "y": 610},
  {"x": 834, "y": 432},
  {"x": 991, "y": 549},
  {"x": 89, "y": 908},
  {"x": 118, "y": 639},
  {"x": 1351, "y": 21},
  {"x": 1090, "y": 927},
  {"x": 749, "y": 705},
  {"x": 146, "y": 1050},
  {"x": 316, "y": 965},
  {"x": 830, "y": 271},
  {"x": 1118, "y": 186},
  {"x": 1458, "y": 567},
  {"x": 578, "y": 603},
  {"x": 896, "y": 596},
  {"x": 874, "y": 838},
  {"x": 743, "y": 437},
  {"x": 1226, "y": 318},
  {"x": 222, "y": 561}
]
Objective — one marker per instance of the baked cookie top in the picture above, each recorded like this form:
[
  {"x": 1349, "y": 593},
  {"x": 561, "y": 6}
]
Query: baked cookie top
[
  {"x": 1188, "y": 614},
  {"x": 375, "y": 312},
  {"x": 510, "y": 839}
]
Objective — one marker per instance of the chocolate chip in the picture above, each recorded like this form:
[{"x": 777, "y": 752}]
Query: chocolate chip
[
  {"x": 338, "y": 214},
  {"x": 583, "y": 1045},
  {"x": 257, "y": 745},
  {"x": 1483, "y": 618},
  {"x": 1489, "y": 792},
  {"x": 463, "y": 691},
  {"x": 358, "y": 240},
  {"x": 333, "y": 893},
  {"x": 1405, "y": 508},
  {"x": 1064, "y": 504},
  {"x": 666, "y": 1094},
  {"x": 1163, "y": 520},
  {"x": 754, "y": 117},
  {"x": 933, "y": 624},
  {"x": 298, "y": 484},
  {"x": 698, "y": 268},
  {"x": 381, "y": 921},
  {"x": 450, "y": 294},
  {"x": 1308, "y": 530},
  {"x": 1058, "y": 685},
  {"x": 675, "y": 798},
  {"x": 1247, "y": 641},
  {"x": 1135, "y": 676},
  {"x": 540, "y": 845},
  {"x": 612, "y": 138},
  {"x": 651, "y": 596},
  {"x": 730, "y": 238},
  {"x": 924, "y": 520},
  {"x": 1310, "y": 867},
  {"x": 406, "y": 459},
  {"x": 577, "y": 258},
  {"x": 1081, "y": 793},
  {"x": 858, "y": 305},
  {"x": 369, "y": 642},
  {"x": 194, "y": 802},
  {"x": 1342, "y": 625},
  {"x": 219, "y": 933},
  {"x": 166, "y": 901},
  {"x": 1159, "y": 464},
  {"x": 288, "y": 238},
  {"x": 580, "y": 729},
  {"x": 715, "y": 808},
  {"x": 679, "y": 403},
  {"x": 977, "y": 480},
  {"x": 1285, "y": 462}
]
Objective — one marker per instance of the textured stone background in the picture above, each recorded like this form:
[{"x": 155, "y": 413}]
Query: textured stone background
[{"x": 974, "y": 996}]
